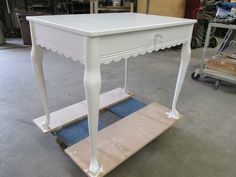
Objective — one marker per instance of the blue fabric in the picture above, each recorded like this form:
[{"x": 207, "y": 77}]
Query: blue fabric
[
  {"x": 78, "y": 131},
  {"x": 126, "y": 107},
  {"x": 226, "y": 5},
  {"x": 75, "y": 132}
]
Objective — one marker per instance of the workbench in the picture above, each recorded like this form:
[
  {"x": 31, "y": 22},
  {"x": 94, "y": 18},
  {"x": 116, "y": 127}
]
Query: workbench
[{"x": 96, "y": 39}]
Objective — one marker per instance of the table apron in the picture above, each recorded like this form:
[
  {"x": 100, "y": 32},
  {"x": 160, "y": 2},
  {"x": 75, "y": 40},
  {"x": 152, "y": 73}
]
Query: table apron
[
  {"x": 111, "y": 47},
  {"x": 116, "y": 47}
]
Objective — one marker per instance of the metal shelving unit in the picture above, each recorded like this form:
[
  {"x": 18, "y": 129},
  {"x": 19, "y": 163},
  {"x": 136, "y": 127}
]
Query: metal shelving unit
[{"x": 202, "y": 71}]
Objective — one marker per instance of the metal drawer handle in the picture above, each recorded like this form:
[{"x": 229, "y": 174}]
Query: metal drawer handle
[{"x": 157, "y": 38}]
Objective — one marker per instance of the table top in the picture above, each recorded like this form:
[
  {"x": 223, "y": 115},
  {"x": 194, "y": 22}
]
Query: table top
[{"x": 109, "y": 23}]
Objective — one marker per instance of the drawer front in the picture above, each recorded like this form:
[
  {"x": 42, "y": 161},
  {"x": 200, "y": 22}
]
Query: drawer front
[{"x": 135, "y": 40}]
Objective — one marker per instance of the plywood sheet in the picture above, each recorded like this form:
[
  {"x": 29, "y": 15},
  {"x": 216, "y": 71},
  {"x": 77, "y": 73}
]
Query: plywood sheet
[
  {"x": 78, "y": 111},
  {"x": 119, "y": 141},
  {"x": 166, "y": 8},
  {"x": 223, "y": 64}
]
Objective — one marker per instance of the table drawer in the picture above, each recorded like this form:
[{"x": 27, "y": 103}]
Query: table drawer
[{"x": 132, "y": 41}]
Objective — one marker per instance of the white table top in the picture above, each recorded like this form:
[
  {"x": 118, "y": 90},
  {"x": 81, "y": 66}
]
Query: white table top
[{"x": 108, "y": 23}]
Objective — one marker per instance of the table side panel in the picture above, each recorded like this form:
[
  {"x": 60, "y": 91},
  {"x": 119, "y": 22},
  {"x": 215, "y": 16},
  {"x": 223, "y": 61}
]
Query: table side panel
[
  {"x": 63, "y": 42},
  {"x": 142, "y": 42}
]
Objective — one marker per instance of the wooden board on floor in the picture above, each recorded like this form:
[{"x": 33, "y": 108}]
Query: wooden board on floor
[
  {"x": 78, "y": 111},
  {"x": 119, "y": 141}
]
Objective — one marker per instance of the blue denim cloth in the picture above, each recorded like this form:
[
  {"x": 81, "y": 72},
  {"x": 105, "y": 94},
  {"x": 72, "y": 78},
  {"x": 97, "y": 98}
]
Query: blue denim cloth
[
  {"x": 75, "y": 132},
  {"x": 226, "y": 5},
  {"x": 78, "y": 131},
  {"x": 127, "y": 107}
]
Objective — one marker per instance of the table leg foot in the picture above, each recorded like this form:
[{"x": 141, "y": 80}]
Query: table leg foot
[
  {"x": 94, "y": 170},
  {"x": 45, "y": 124},
  {"x": 173, "y": 115}
]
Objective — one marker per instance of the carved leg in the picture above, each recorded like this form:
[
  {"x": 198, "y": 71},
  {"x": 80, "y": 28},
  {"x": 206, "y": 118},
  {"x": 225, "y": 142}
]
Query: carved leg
[
  {"x": 185, "y": 57},
  {"x": 37, "y": 58},
  {"x": 92, "y": 85},
  {"x": 125, "y": 90}
]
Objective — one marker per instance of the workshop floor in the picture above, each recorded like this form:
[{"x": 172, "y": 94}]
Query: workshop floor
[{"x": 201, "y": 144}]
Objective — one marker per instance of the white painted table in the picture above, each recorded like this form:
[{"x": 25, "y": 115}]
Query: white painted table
[{"x": 95, "y": 39}]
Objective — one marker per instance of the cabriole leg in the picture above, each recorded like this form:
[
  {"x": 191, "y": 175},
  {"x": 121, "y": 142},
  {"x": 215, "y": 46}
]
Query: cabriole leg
[
  {"x": 92, "y": 85},
  {"x": 125, "y": 90},
  {"x": 37, "y": 58},
  {"x": 185, "y": 57}
]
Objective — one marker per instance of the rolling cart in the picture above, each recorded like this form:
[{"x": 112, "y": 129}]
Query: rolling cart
[
  {"x": 204, "y": 14},
  {"x": 203, "y": 71}
]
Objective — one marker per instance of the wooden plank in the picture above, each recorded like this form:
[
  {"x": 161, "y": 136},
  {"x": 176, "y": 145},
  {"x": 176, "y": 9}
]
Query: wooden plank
[
  {"x": 223, "y": 64},
  {"x": 75, "y": 112},
  {"x": 172, "y": 8},
  {"x": 119, "y": 141}
]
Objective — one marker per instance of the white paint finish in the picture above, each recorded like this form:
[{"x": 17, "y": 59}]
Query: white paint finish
[
  {"x": 108, "y": 23},
  {"x": 37, "y": 63},
  {"x": 69, "y": 44},
  {"x": 118, "y": 36},
  {"x": 92, "y": 85},
  {"x": 126, "y": 89},
  {"x": 112, "y": 47},
  {"x": 185, "y": 57},
  {"x": 106, "y": 59},
  {"x": 136, "y": 40}
]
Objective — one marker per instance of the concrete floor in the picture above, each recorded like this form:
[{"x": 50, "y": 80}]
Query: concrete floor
[{"x": 202, "y": 144}]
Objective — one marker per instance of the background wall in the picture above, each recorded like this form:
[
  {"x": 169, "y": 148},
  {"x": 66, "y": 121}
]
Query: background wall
[{"x": 175, "y": 8}]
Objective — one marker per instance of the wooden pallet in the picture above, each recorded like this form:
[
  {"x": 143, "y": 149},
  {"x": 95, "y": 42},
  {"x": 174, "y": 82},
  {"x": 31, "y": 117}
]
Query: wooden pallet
[
  {"x": 78, "y": 111},
  {"x": 119, "y": 141}
]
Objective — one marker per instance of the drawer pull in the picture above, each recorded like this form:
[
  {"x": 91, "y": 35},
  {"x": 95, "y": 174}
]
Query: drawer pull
[{"x": 157, "y": 38}]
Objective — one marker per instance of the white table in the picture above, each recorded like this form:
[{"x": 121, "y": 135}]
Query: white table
[{"x": 95, "y": 39}]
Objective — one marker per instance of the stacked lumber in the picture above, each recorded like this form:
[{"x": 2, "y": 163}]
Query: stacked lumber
[{"x": 222, "y": 64}]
